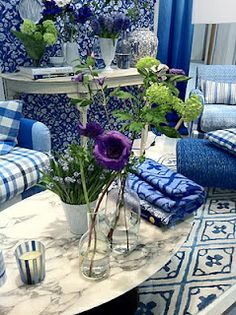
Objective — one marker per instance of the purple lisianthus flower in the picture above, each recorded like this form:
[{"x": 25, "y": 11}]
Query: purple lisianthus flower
[
  {"x": 91, "y": 130},
  {"x": 101, "y": 81},
  {"x": 176, "y": 71},
  {"x": 112, "y": 150},
  {"x": 78, "y": 78}
]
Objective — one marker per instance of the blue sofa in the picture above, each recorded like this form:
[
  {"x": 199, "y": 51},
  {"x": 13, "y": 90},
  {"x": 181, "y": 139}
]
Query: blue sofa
[
  {"x": 214, "y": 116},
  {"x": 20, "y": 168}
]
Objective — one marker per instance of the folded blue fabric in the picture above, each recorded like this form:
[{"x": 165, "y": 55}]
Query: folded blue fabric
[{"x": 166, "y": 190}]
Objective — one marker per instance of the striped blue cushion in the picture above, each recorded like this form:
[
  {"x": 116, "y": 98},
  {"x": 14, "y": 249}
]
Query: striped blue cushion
[
  {"x": 10, "y": 115},
  {"x": 226, "y": 139},
  {"x": 219, "y": 92}
]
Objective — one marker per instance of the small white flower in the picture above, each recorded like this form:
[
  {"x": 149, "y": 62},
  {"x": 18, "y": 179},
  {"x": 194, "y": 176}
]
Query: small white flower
[
  {"x": 62, "y": 3},
  {"x": 162, "y": 67}
]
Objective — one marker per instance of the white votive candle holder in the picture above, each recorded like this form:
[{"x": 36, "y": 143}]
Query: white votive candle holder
[{"x": 30, "y": 258}]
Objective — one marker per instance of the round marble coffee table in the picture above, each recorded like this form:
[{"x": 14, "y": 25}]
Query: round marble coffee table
[{"x": 64, "y": 290}]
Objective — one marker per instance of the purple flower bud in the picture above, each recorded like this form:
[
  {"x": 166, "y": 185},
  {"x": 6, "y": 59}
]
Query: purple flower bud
[
  {"x": 78, "y": 78},
  {"x": 176, "y": 71},
  {"x": 112, "y": 150},
  {"x": 92, "y": 130},
  {"x": 101, "y": 81}
]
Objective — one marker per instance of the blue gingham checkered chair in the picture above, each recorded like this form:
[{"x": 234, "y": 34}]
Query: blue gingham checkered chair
[
  {"x": 19, "y": 169},
  {"x": 214, "y": 116}
]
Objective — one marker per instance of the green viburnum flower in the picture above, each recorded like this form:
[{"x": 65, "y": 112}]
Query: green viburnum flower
[
  {"x": 147, "y": 63},
  {"x": 28, "y": 27},
  {"x": 50, "y": 27},
  {"x": 192, "y": 109},
  {"x": 49, "y": 38},
  {"x": 159, "y": 94},
  {"x": 38, "y": 36}
]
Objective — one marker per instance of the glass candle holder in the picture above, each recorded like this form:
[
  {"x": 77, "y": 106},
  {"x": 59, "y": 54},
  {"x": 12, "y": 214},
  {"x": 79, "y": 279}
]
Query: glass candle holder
[
  {"x": 30, "y": 258},
  {"x": 2, "y": 270}
]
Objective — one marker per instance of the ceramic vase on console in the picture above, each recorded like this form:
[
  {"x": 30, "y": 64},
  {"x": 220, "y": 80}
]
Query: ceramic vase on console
[
  {"x": 122, "y": 216},
  {"x": 71, "y": 53},
  {"x": 77, "y": 217},
  {"x": 94, "y": 252},
  {"x": 108, "y": 50},
  {"x": 143, "y": 43}
]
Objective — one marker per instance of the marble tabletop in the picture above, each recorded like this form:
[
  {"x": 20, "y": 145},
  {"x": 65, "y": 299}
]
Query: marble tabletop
[{"x": 64, "y": 290}]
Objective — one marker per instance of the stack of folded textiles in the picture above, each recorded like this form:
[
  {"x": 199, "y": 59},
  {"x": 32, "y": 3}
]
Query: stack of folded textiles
[{"x": 166, "y": 196}]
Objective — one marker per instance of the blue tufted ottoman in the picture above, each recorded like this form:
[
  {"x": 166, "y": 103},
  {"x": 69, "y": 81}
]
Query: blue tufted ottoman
[{"x": 206, "y": 164}]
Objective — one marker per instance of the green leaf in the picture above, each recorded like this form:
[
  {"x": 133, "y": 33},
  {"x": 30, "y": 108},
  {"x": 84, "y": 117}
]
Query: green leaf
[
  {"x": 122, "y": 115},
  {"x": 170, "y": 132},
  {"x": 121, "y": 94},
  {"x": 90, "y": 61},
  {"x": 85, "y": 103},
  {"x": 136, "y": 126}
]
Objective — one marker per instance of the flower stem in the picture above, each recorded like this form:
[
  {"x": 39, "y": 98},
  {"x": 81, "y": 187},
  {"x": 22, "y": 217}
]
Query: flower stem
[{"x": 83, "y": 181}]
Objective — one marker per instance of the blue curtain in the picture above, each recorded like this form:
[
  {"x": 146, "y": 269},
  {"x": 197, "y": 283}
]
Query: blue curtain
[{"x": 175, "y": 33}]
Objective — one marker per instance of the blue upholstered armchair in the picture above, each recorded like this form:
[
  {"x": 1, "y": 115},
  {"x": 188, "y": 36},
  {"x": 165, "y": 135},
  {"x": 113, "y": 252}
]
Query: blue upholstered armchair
[
  {"x": 214, "y": 85},
  {"x": 19, "y": 169}
]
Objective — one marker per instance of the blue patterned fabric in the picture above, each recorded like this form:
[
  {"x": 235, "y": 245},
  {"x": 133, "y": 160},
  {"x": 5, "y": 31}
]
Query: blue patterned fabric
[
  {"x": 225, "y": 139},
  {"x": 219, "y": 92},
  {"x": 19, "y": 170},
  {"x": 167, "y": 190},
  {"x": 10, "y": 115},
  {"x": 206, "y": 164},
  {"x": 216, "y": 117},
  {"x": 203, "y": 269}
]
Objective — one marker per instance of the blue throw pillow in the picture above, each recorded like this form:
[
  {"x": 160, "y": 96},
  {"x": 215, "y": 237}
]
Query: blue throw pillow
[
  {"x": 225, "y": 139},
  {"x": 219, "y": 92},
  {"x": 10, "y": 115}
]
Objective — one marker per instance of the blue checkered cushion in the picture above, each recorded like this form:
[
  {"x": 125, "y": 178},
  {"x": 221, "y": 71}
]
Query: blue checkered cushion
[
  {"x": 226, "y": 139},
  {"x": 219, "y": 92},
  {"x": 19, "y": 170},
  {"x": 10, "y": 115}
]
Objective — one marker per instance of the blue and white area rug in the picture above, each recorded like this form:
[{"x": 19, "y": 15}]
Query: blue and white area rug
[{"x": 203, "y": 268}]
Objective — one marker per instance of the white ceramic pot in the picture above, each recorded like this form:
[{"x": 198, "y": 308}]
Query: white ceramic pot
[
  {"x": 108, "y": 50},
  {"x": 71, "y": 53},
  {"x": 77, "y": 217}
]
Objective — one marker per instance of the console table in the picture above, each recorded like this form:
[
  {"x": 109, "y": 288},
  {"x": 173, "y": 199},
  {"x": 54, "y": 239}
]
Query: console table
[{"x": 16, "y": 83}]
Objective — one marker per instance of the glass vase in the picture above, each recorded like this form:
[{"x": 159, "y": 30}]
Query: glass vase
[
  {"x": 123, "y": 52},
  {"x": 108, "y": 49},
  {"x": 94, "y": 253},
  {"x": 122, "y": 216}
]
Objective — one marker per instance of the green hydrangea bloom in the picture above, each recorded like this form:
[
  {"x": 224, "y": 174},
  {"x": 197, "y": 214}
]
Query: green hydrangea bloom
[
  {"x": 38, "y": 36},
  {"x": 28, "y": 27},
  {"x": 49, "y": 38},
  {"x": 159, "y": 94},
  {"x": 147, "y": 63},
  {"x": 48, "y": 23}
]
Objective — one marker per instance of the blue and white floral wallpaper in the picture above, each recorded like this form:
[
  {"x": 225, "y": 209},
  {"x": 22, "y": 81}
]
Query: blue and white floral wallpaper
[{"x": 55, "y": 111}]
